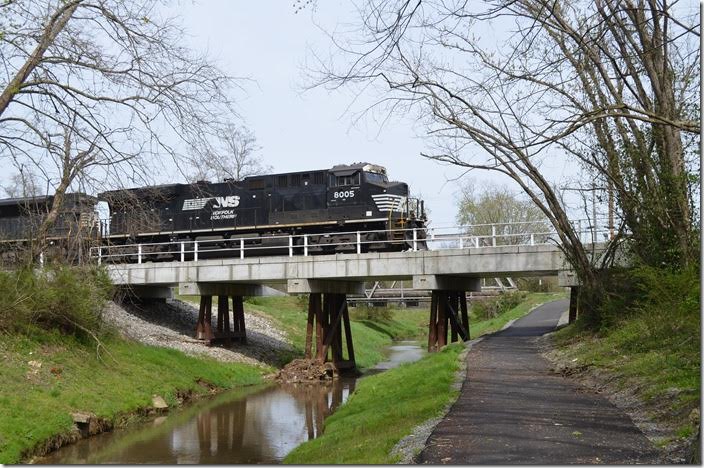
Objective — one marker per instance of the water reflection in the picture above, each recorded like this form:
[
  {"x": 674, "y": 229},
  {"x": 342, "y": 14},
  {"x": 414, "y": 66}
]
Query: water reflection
[{"x": 254, "y": 425}]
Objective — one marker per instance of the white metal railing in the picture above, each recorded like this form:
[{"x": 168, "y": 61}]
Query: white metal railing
[{"x": 430, "y": 238}]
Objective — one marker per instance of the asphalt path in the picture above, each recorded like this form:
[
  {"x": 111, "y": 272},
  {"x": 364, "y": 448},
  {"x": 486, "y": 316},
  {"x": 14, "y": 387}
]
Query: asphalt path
[{"x": 513, "y": 410}]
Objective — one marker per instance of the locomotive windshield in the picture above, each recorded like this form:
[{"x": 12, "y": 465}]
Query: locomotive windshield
[{"x": 375, "y": 178}]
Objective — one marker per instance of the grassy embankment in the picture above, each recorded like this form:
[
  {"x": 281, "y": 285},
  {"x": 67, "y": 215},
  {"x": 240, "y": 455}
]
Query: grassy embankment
[
  {"x": 386, "y": 407},
  {"x": 49, "y": 366},
  {"x": 649, "y": 341}
]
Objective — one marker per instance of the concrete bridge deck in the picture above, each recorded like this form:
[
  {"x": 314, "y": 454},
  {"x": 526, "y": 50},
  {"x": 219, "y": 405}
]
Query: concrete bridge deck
[{"x": 429, "y": 269}]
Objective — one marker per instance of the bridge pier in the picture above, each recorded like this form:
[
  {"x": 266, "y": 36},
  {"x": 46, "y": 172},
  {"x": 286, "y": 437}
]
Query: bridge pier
[
  {"x": 328, "y": 316},
  {"x": 224, "y": 291},
  {"x": 222, "y": 333},
  {"x": 448, "y": 307}
]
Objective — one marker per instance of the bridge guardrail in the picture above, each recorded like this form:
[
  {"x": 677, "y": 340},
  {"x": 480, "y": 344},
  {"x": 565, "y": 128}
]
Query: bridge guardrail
[{"x": 430, "y": 238}]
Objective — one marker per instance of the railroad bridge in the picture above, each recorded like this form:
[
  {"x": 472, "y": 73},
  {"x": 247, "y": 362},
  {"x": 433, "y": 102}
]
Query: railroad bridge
[{"x": 450, "y": 267}]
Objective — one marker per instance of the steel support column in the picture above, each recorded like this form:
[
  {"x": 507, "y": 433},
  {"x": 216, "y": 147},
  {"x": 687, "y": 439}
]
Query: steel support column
[
  {"x": 222, "y": 332},
  {"x": 328, "y": 315},
  {"x": 574, "y": 294},
  {"x": 448, "y": 313}
]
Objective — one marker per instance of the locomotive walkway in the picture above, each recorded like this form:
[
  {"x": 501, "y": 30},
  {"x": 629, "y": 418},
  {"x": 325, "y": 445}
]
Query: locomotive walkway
[{"x": 513, "y": 410}]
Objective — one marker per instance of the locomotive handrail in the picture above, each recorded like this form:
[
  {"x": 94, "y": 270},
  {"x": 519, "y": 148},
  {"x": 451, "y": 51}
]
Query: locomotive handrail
[{"x": 297, "y": 244}]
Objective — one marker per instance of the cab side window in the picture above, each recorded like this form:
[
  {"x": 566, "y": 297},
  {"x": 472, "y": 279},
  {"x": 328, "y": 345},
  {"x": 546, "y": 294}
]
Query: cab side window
[{"x": 342, "y": 181}]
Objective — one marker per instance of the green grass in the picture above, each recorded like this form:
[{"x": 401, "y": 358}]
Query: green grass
[
  {"x": 650, "y": 342},
  {"x": 383, "y": 409},
  {"x": 37, "y": 406},
  {"x": 479, "y": 328},
  {"x": 386, "y": 407}
]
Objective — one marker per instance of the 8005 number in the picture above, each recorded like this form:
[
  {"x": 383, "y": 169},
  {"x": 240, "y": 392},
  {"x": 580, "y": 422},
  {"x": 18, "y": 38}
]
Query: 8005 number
[{"x": 344, "y": 194}]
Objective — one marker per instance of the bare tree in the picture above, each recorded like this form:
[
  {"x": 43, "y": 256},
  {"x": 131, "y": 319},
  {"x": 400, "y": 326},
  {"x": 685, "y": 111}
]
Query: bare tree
[
  {"x": 231, "y": 155},
  {"x": 493, "y": 210},
  {"x": 624, "y": 71},
  {"x": 22, "y": 184},
  {"x": 104, "y": 88}
]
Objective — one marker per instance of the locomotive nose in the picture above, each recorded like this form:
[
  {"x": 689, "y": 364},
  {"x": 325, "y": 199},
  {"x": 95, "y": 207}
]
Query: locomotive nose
[{"x": 398, "y": 188}]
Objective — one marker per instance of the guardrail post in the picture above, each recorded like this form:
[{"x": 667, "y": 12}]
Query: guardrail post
[
  {"x": 183, "y": 251},
  {"x": 41, "y": 259},
  {"x": 461, "y": 242},
  {"x": 532, "y": 239},
  {"x": 476, "y": 241},
  {"x": 195, "y": 250},
  {"x": 359, "y": 243},
  {"x": 242, "y": 248},
  {"x": 305, "y": 245},
  {"x": 100, "y": 255},
  {"x": 415, "y": 240},
  {"x": 493, "y": 235},
  {"x": 139, "y": 253},
  {"x": 290, "y": 246}
]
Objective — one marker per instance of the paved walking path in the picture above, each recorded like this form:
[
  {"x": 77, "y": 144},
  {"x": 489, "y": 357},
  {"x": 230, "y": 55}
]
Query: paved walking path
[{"x": 513, "y": 410}]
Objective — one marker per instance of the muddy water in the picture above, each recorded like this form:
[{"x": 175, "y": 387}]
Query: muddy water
[{"x": 255, "y": 425}]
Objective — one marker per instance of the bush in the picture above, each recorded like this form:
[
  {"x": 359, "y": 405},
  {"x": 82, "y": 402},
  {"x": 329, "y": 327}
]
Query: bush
[
  {"x": 69, "y": 299},
  {"x": 538, "y": 284},
  {"x": 491, "y": 307},
  {"x": 364, "y": 312}
]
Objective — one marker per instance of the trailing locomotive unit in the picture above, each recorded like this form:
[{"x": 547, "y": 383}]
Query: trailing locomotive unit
[
  {"x": 325, "y": 205},
  {"x": 73, "y": 232}
]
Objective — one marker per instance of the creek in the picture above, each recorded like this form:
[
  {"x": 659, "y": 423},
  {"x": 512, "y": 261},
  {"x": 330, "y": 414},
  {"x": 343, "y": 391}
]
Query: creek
[{"x": 252, "y": 425}]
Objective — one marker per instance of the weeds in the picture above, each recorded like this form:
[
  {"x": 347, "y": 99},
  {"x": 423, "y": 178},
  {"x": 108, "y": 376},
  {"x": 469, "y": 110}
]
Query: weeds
[{"x": 67, "y": 299}]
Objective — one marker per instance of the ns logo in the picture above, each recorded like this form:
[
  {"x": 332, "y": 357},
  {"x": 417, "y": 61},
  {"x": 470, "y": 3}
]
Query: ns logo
[{"x": 230, "y": 201}]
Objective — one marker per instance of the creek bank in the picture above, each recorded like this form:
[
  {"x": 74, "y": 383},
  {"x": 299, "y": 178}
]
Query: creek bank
[
  {"x": 278, "y": 418},
  {"x": 86, "y": 425}
]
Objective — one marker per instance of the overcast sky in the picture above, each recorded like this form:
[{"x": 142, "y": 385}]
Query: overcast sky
[{"x": 267, "y": 42}]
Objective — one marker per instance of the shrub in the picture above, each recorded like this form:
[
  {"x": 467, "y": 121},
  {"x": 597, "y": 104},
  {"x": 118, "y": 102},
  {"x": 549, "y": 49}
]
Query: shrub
[
  {"x": 491, "y": 307},
  {"x": 538, "y": 284},
  {"x": 69, "y": 299},
  {"x": 364, "y": 312}
]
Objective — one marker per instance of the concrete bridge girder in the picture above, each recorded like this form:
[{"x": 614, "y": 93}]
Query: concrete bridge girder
[
  {"x": 226, "y": 289},
  {"x": 446, "y": 283},
  {"x": 311, "y": 286},
  {"x": 489, "y": 261}
]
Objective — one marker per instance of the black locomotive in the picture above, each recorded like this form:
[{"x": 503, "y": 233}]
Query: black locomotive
[
  {"x": 323, "y": 211},
  {"x": 327, "y": 206},
  {"x": 74, "y": 231}
]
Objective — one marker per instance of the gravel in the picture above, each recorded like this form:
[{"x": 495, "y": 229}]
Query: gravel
[{"x": 172, "y": 324}]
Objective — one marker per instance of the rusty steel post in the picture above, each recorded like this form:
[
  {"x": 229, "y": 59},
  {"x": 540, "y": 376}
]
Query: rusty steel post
[
  {"x": 317, "y": 300},
  {"x": 238, "y": 318},
  {"x": 454, "y": 324},
  {"x": 574, "y": 293},
  {"x": 222, "y": 307},
  {"x": 201, "y": 319},
  {"x": 433, "y": 323},
  {"x": 208, "y": 325},
  {"x": 348, "y": 334},
  {"x": 442, "y": 319},
  {"x": 310, "y": 324},
  {"x": 465, "y": 315}
]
